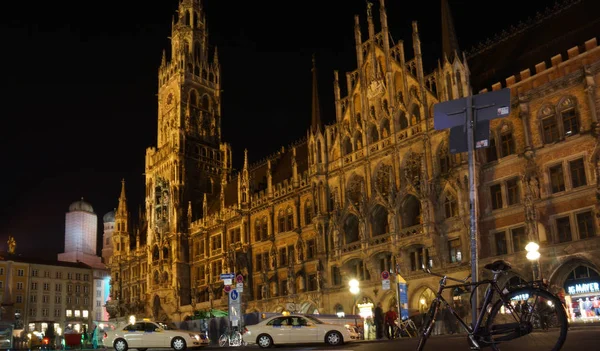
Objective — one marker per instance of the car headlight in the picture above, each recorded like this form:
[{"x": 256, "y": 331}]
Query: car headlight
[{"x": 195, "y": 336}]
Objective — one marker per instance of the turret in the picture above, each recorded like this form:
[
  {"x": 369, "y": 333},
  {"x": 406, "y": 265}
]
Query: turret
[
  {"x": 244, "y": 183},
  {"x": 315, "y": 125},
  {"x": 358, "y": 40},
  {"x": 269, "y": 180},
  {"x": 337, "y": 95},
  {"x": 121, "y": 234}
]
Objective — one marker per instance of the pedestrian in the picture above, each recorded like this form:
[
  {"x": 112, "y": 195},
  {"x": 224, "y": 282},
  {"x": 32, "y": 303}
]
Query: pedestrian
[
  {"x": 378, "y": 316},
  {"x": 390, "y": 322}
]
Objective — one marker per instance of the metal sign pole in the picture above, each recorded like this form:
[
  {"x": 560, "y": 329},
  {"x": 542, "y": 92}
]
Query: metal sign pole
[{"x": 472, "y": 201}]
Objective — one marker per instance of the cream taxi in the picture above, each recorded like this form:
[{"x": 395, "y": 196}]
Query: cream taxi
[
  {"x": 295, "y": 329},
  {"x": 147, "y": 334}
]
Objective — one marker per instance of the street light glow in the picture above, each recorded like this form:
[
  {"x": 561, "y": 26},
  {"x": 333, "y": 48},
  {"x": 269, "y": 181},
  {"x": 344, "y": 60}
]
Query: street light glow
[
  {"x": 532, "y": 247},
  {"x": 533, "y": 255},
  {"x": 354, "y": 286}
]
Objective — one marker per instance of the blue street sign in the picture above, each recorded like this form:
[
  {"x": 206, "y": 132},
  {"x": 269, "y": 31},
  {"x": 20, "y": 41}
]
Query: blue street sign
[
  {"x": 227, "y": 276},
  {"x": 234, "y": 295}
]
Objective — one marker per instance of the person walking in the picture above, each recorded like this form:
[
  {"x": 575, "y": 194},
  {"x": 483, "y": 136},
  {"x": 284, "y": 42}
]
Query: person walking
[
  {"x": 390, "y": 322},
  {"x": 378, "y": 319}
]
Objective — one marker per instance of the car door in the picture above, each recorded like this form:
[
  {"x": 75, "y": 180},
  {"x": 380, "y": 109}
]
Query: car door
[
  {"x": 279, "y": 328},
  {"x": 153, "y": 337},
  {"x": 134, "y": 334},
  {"x": 303, "y": 330}
]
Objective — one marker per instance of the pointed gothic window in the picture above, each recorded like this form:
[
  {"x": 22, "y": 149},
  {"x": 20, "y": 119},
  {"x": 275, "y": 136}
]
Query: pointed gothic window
[
  {"x": 449, "y": 86},
  {"x": 459, "y": 84},
  {"x": 307, "y": 212},
  {"x": 281, "y": 221}
]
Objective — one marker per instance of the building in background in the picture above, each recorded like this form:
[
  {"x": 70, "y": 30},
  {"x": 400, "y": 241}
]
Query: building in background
[
  {"x": 81, "y": 228},
  {"x": 375, "y": 190},
  {"x": 47, "y": 292}
]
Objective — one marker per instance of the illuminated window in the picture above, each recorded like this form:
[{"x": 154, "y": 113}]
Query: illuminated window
[
  {"x": 69, "y": 313},
  {"x": 85, "y": 313},
  {"x": 77, "y": 313}
]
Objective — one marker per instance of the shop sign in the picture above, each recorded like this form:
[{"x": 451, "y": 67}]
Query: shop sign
[{"x": 583, "y": 288}]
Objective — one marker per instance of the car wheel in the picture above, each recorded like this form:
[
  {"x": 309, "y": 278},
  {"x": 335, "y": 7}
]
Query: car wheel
[
  {"x": 120, "y": 345},
  {"x": 264, "y": 341},
  {"x": 178, "y": 344},
  {"x": 334, "y": 338}
]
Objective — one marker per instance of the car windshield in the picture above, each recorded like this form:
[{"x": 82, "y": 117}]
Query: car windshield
[
  {"x": 314, "y": 320},
  {"x": 168, "y": 326}
]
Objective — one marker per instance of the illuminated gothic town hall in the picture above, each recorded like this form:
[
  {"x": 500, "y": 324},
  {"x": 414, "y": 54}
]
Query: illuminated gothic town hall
[{"x": 375, "y": 190}]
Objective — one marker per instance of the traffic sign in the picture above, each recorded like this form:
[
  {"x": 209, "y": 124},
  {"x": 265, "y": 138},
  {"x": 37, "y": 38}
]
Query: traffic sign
[
  {"x": 239, "y": 278},
  {"x": 234, "y": 295},
  {"x": 227, "y": 288},
  {"x": 385, "y": 275},
  {"x": 227, "y": 276},
  {"x": 385, "y": 284},
  {"x": 239, "y": 287}
]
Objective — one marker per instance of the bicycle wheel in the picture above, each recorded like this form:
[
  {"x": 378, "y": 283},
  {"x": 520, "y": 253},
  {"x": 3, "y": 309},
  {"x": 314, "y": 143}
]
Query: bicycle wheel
[
  {"x": 539, "y": 321},
  {"x": 236, "y": 339},
  {"x": 428, "y": 322},
  {"x": 224, "y": 340}
]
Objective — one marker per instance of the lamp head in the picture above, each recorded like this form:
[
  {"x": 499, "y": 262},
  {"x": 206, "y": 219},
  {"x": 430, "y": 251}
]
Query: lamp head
[{"x": 532, "y": 247}]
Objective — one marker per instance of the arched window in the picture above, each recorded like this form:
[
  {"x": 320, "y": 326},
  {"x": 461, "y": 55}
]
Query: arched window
[
  {"x": 373, "y": 134},
  {"x": 187, "y": 18},
  {"x": 547, "y": 116},
  {"x": 347, "y": 146},
  {"x": 155, "y": 253},
  {"x": 165, "y": 253},
  {"x": 507, "y": 142},
  {"x": 290, "y": 218},
  {"x": 257, "y": 230},
  {"x": 193, "y": 98},
  {"x": 307, "y": 212},
  {"x": 197, "y": 51},
  {"x": 450, "y": 206},
  {"x": 569, "y": 116},
  {"x": 281, "y": 221},
  {"x": 445, "y": 160},
  {"x": 205, "y": 102}
]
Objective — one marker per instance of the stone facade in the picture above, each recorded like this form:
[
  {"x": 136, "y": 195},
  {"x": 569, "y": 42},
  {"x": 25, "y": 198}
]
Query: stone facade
[{"x": 376, "y": 190}]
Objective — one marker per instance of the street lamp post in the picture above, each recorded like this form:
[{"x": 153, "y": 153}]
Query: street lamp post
[
  {"x": 533, "y": 255},
  {"x": 354, "y": 290}
]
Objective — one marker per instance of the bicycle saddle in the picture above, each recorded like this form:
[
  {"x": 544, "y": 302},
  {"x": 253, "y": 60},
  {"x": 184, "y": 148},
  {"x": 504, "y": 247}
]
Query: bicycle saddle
[{"x": 498, "y": 266}]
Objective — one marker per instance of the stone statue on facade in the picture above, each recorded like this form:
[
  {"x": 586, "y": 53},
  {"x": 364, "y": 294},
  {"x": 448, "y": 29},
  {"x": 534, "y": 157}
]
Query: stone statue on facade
[{"x": 300, "y": 249}]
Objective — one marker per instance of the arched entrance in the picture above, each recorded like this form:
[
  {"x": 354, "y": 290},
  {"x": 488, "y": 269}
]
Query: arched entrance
[{"x": 424, "y": 301}]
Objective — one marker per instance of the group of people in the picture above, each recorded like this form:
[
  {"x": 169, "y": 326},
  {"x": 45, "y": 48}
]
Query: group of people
[{"x": 385, "y": 323}]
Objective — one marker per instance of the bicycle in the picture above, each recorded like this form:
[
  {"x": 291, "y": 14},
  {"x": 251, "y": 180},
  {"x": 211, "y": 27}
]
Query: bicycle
[
  {"x": 505, "y": 323},
  {"x": 231, "y": 338}
]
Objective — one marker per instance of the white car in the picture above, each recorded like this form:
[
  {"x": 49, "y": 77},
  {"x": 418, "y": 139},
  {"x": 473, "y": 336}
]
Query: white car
[
  {"x": 295, "y": 329},
  {"x": 147, "y": 334}
]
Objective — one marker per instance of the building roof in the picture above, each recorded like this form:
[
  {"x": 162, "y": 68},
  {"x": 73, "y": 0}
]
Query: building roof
[
  {"x": 5, "y": 256},
  {"x": 553, "y": 31},
  {"x": 81, "y": 206}
]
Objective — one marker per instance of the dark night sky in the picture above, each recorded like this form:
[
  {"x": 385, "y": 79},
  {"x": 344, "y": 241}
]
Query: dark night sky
[{"x": 82, "y": 83}]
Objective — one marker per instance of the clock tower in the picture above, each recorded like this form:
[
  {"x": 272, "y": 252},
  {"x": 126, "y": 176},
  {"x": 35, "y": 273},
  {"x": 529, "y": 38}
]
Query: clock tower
[{"x": 189, "y": 160}]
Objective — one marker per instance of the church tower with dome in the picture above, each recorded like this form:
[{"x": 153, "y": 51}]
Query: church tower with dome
[{"x": 81, "y": 228}]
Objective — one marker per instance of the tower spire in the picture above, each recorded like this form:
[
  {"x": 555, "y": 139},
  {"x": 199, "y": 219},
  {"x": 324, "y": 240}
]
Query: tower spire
[
  {"x": 449, "y": 39},
  {"x": 316, "y": 108},
  {"x": 122, "y": 209}
]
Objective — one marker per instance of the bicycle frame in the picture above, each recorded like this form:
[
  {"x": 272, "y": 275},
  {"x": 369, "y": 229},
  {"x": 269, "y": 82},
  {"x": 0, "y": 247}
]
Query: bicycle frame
[{"x": 490, "y": 291}]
